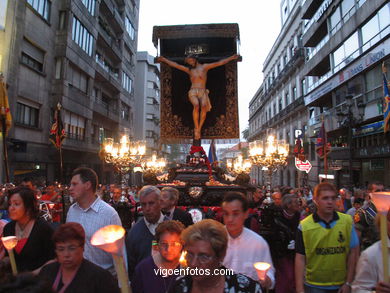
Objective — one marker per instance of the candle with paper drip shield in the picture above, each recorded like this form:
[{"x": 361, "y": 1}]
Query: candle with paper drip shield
[
  {"x": 111, "y": 239},
  {"x": 381, "y": 201},
  {"x": 9, "y": 243},
  {"x": 262, "y": 269}
]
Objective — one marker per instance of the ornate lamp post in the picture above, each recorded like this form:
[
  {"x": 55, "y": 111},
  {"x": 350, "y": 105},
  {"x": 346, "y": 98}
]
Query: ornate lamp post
[
  {"x": 271, "y": 155},
  {"x": 124, "y": 156},
  {"x": 351, "y": 118}
]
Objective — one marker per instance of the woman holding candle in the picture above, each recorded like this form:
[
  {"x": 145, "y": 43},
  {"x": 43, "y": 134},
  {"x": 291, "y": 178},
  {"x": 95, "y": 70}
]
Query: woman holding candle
[
  {"x": 72, "y": 273},
  {"x": 34, "y": 247},
  {"x": 205, "y": 244}
]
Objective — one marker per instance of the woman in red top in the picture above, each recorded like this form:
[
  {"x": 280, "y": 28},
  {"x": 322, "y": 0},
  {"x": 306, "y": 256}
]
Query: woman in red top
[{"x": 35, "y": 246}]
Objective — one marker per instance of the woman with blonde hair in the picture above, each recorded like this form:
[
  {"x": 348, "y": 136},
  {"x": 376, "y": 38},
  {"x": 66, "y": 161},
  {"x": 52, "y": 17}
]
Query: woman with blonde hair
[{"x": 205, "y": 244}]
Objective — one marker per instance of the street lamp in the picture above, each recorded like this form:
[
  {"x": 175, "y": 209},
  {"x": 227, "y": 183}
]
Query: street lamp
[
  {"x": 271, "y": 155},
  {"x": 350, "y": 118},
  {"x": 123, "y": 156}
]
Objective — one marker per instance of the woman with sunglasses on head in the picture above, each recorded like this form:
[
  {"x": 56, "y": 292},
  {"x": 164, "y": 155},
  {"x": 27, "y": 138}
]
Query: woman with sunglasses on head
[
  {"x": 35, "y": 246},
  {"x": 152, "y": 273},
  {"x": 72, "y": 273},
  {"x": 205, "y": 244}
]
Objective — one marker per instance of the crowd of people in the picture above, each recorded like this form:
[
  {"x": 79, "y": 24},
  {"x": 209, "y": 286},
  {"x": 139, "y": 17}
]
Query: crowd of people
[{"x": 318, "y": 241}]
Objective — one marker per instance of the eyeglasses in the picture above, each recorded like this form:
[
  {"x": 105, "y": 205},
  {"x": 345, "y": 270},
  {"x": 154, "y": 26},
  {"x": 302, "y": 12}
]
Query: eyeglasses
[
  {"x": 202, "y": 258},
  {"x": 71, "y": 249},
  {"x": 166, "y": 245}
]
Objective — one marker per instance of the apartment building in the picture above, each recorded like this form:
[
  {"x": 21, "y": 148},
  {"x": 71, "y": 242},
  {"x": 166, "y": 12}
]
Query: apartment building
[
  {"x": 278, "y": 106},
  {"x": 348, "y": 41},
  {"x": 147, "y": 104},
  {"x": 80, "y": 53}
]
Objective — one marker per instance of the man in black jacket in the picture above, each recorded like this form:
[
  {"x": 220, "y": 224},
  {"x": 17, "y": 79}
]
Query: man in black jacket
[{"x": 169, "y": 199}]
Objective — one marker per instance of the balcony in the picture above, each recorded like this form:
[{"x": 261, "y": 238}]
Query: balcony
[
  {"x": 104, "y": 110},
  {"x": 109, "y": 43},
  {"x": 296, "y": 60},
  {"x": 110, "y": 10}
]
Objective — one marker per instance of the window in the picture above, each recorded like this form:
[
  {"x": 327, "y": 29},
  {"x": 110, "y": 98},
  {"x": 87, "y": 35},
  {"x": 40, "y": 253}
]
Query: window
[
  {"x": 149, "y": 101},
  {"x": 74, "y": 125},
  {"x": 280, "y": 104},
  {"x": 335, "y": 21},
  {"x": 58, "y": 68},
  {"x": 128, "y": 55},
  {"x": 346, "y": 53},
  {"x": 62, "y": 20},
  {"x": 294, "y": 93},
  {"x": 27, "y": 115},
  {"x": 77, "y": 78},
  {"x": 127, "y": 82},
  {"x": 43, "y": 7},
  {"x": 373, "y": 84},
  {"x": 347, "y": 8},
  {"x": 32, "y": 56},
  {"x": 303, "y": 87},
  {"x": 376, "y": 28},
  {"x": 149, "y": 116},
  {"x": 125, "y": 112},
  {"x": 82, "y": 37},
  {"x": 129, "y": 28},
  {"x": 90, "y": 5}
]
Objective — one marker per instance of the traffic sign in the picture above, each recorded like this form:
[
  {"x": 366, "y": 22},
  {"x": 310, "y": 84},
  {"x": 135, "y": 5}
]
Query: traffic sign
[{"x": 303, "y": 165}]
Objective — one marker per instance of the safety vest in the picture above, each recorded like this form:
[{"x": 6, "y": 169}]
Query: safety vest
[{"x": 326, "y": 251}]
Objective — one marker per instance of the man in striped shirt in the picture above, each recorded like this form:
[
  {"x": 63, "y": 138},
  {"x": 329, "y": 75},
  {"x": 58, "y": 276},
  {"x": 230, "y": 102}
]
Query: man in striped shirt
[{"x": 92, "y": 213}]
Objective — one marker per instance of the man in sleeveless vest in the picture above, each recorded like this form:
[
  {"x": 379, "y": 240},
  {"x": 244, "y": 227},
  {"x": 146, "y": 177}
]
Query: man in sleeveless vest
[{"x": 327, "y": 247}]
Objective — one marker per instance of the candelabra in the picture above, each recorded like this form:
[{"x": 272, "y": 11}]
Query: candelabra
[
  {"x": 124, "y": 156},
  {"x": 155, "y": 165},
  {"x": 240, "y": 168},
  {"x": 152, "y": 167},
  {"x": 270, "y": 155}
]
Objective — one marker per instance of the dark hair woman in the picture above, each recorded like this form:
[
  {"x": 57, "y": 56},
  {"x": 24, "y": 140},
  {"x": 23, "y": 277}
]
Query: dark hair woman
[
  {"x": 35, "y": 246},
  {"x": 71, "y": 273}
]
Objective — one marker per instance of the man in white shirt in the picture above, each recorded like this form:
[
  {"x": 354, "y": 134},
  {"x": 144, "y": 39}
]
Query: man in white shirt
[
  {"x": 369, "y": 270},
  {"x": 92, "y": 213},
  {"x": 245, "y": 247}
]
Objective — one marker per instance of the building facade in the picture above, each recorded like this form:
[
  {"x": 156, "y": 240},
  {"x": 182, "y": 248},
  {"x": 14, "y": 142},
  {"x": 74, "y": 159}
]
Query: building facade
[
  {"x": 78, "y": 53},
  {"x": 348, "y": 41},
  {"x": 278, "y": 108},
  {"x": 147, "y": 103},
  {"x": 344, "y": 44}
]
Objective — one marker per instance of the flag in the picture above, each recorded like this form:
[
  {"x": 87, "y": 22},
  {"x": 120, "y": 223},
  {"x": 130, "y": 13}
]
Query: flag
[
  {"x": 5, "y": 113},
  {"x": 322, "y": 146},
  {"x": 212, "y": 152},
  {"x": 386, "y": 105},
  {"x": 57, "y": 131},
  {"x": 299, "y": 151}
]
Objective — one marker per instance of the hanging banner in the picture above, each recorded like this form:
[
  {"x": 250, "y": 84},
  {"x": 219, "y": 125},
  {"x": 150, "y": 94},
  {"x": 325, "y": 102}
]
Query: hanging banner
[{"x": 303, "y": 165}]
